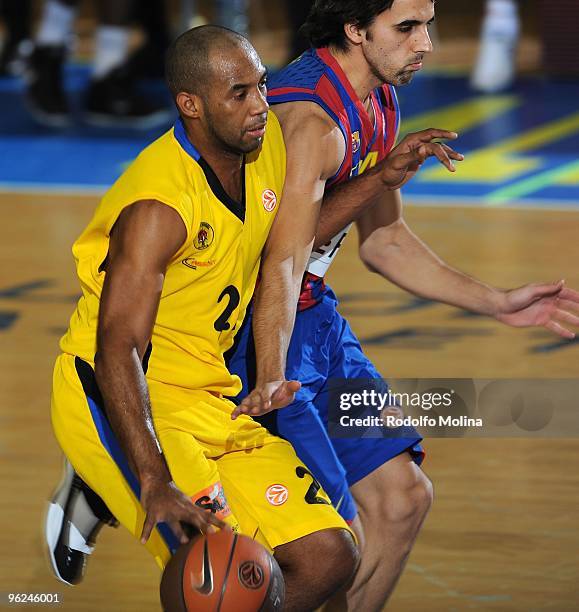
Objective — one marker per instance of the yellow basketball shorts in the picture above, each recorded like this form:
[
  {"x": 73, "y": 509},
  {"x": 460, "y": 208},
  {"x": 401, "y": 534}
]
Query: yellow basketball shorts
[{"x": 251, "y": 479}]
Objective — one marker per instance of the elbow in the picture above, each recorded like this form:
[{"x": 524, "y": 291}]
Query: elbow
[
  {"x": 378, "y": 249},
  {"x": 102, "y": 364}
]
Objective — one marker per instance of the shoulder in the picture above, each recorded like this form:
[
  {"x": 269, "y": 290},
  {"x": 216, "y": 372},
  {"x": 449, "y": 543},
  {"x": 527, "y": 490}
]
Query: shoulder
[
  {"x": 306, "y": 120},
  {"x": 303, "y": 73},
  {"x": 311, "y": 137}
]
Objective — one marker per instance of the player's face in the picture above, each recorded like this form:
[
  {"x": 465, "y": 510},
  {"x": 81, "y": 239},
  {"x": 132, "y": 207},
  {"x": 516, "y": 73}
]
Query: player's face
[
  {"x": 396, "y": 43},
  {"x": 236, "y": 106}
]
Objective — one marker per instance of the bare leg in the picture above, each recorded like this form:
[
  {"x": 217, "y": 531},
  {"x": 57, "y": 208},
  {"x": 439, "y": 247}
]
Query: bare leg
[
  {"x": 392, "y": 503},
  {"x": 315, "y": 567}
]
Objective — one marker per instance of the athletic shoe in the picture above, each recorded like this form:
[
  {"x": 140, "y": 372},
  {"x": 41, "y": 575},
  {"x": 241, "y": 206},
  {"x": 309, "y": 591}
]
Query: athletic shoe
[{"x": 75, "y": 516}]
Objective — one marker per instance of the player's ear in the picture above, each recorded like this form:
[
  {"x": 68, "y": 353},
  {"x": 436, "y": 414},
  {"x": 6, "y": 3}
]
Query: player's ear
[
  {"x": 188, "y": 104},
  {"x": 353, "y": 33}
]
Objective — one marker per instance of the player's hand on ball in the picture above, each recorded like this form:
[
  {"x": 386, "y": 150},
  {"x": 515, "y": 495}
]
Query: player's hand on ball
[
  {"x": 406, "y": 158},
  {"x": 549, "y": 305},
  {"x": 163, "y": 502},
  {"x": 268, "y": 397}
]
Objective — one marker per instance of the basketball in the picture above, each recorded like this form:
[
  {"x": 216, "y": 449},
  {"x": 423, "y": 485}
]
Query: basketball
[{"x": 222, "y": 572}]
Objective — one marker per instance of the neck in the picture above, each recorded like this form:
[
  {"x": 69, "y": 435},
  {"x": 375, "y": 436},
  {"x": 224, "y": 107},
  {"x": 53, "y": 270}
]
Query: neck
[
  {"x": 221, "y": 159},
  {"x": 356, "y": 68},
  {"x": 225, "y": 163}
]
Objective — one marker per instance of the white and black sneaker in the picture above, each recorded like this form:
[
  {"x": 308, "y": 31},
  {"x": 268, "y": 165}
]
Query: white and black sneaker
[{"x": 75, "y": 516}]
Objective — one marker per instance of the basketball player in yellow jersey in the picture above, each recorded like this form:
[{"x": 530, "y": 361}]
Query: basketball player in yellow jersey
[{"x": 167, "y": 266}]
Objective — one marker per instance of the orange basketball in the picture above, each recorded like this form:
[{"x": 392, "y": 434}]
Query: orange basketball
[{"x": 222, "y": 572}]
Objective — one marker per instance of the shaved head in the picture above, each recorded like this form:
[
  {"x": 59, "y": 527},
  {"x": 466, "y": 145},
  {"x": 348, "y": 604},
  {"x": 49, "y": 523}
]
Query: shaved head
[{"x": 193, "y": 57}]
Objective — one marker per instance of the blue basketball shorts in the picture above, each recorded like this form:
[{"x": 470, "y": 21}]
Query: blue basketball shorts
[{"x": 323, "y": 348}]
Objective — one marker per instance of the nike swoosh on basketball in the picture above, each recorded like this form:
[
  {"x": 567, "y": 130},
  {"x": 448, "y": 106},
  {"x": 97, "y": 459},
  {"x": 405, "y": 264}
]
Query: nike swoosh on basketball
[{"x": 205, "y": 584}]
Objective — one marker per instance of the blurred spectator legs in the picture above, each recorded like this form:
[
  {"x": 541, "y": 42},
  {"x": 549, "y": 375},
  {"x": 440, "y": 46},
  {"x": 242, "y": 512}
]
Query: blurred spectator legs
[
  {"x": 112, "y": 97},
  {"x": 16, "y": 44},
  {"x": 46, "y": 97},
  {"x": 495, "y": 66}
]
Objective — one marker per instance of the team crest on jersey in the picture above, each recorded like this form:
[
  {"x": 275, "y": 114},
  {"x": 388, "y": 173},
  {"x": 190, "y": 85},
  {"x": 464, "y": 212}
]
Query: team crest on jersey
[
  {"x": 355, "y": 142},
  {"x": 269, "y": 199},
  {"x": 204, "y": 236}
]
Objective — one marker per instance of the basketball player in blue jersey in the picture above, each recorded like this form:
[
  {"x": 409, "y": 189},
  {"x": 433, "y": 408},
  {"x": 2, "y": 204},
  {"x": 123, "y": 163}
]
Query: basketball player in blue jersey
[{"x": 339, "y": 115}]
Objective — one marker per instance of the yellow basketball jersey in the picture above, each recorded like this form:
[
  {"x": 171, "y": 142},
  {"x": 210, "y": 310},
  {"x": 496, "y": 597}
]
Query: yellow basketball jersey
[{"x": 210, "y": 281}]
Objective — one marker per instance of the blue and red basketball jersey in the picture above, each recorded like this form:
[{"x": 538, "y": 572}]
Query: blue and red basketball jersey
[{"x": 317, "y": 77}]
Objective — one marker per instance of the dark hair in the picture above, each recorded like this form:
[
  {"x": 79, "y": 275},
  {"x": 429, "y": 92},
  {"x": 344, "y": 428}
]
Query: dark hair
[
  {"x": 325, "y": 23},
  {"x": 187, "y": 63}
]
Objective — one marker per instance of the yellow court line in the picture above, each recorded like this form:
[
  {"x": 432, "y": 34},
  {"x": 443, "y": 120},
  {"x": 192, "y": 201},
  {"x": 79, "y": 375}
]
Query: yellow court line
[
  {"x": 463, "y": 115},
  {"x": 503, "y": 161},
  {"x": 539, "y": 136}
]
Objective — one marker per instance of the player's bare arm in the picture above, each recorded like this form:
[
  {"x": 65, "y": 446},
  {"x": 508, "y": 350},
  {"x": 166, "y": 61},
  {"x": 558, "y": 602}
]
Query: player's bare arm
[
  {"x": 315, "y": 148},
  {"x": 347, "y": 201},
  {"x": 389, "y": 247},
  {"x": 144, "y": 239}
]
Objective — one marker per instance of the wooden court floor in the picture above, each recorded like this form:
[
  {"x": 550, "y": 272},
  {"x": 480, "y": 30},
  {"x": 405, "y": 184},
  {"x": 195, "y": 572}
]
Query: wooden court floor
[{"x": 502, "y": 535}]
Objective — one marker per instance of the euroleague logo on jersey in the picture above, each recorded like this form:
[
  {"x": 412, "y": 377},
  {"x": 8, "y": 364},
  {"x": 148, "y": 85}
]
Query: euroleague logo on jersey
[
  {"x": 269, "y": 199},
  {"x": 277, "y": 494}
]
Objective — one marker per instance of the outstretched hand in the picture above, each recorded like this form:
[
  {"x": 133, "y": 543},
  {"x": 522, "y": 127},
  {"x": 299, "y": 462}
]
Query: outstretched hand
[
  {"x": 265, "y": 398},
  {"x": 407, "y": 157},
  {"x": 551, "y": 305}
]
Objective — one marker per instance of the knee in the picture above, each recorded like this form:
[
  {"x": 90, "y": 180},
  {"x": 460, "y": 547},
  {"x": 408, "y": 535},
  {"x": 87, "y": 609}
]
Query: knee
[
  {"x": 410, "y": 501},
  {"x": 339, "y": 557},
  {"x": 325, "y": 561}
]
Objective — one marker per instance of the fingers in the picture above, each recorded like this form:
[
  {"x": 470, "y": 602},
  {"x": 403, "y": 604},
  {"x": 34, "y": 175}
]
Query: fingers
[
  {"x": 178, "y": 531},
  {"x": 544, "y": 290},
  {"x": 294, "y": 385},
  {"x": 567, "y": 317},
  {"x": 432, "y": 133},
  {"x": 285, "y": 393},
  {"x": 441, "y": 154},
  {"x": 452, "y": 153},
  {"x": 287, "y": 389},
  {"x": 148, "y": 526},
  {"x": 569, "y": 294},
  {"x": 254, "y": 404},
  {"x": 568, "y": 305},
  {"x": 204, "y": 521},
  {"x": 435, "y": 150},
  {"x": 559, "y": 330},
  {"x": 418, "y": 156}
]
